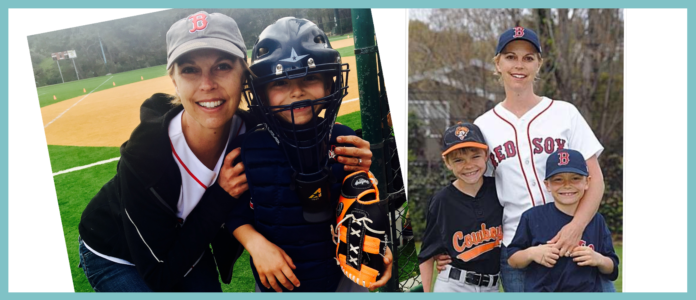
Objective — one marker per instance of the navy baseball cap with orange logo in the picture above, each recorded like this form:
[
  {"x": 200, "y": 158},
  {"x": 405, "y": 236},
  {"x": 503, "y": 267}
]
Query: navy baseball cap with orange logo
[
  {"x": 462, "y": 135},
  {"x": 517, "y": 33},
  {"x": 565, "y": 161}
]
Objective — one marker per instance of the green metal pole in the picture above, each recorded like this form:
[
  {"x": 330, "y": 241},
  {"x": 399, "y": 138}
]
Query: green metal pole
[
  {"x": 371, "y": 113},
  {"x": 368, "y": 89}
]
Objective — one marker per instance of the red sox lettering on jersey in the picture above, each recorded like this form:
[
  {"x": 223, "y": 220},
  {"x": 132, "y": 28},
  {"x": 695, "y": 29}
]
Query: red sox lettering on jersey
[
  {"x": 582, "y": 243},
  {"x": 541, "y": 145},
  {"x": 476, "y": 243},
  {"x": 199, "y": 21},
  {"x": 519, "y": 147}
]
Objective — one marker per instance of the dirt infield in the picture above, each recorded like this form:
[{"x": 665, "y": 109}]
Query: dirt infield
[
  {"x": 342, "y": 43},
  {"x": 106, "y": 118}
]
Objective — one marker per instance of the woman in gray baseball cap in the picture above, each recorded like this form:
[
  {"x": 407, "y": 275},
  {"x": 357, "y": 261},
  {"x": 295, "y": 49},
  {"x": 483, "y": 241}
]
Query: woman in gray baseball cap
[{"x": 150, "y": 228}]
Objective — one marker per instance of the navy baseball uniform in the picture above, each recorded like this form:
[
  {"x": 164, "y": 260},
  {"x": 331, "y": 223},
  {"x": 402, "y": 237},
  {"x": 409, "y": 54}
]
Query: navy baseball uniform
[
  {"x": 539, "y": 225},
  {"x": 467, "y": 228}
]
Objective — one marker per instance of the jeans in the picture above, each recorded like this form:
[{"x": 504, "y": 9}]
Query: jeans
[
  {"x": 512, "y": 279},
  {"x": 107, "y": 276},
  {"x": 608, "y": 286}
]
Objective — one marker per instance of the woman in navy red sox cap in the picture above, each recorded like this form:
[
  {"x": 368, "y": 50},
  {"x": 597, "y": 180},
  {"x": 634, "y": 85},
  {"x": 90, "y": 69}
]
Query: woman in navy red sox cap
[
  {"x": 521, "y": 132},
  {"x": 150, "y": 228}
]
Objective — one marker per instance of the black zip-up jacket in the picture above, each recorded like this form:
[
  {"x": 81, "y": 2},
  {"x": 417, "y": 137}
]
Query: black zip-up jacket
[{"x": 133, "y": 216}]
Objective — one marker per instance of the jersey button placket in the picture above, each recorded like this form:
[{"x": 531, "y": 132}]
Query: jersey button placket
[
  {"x": 524, "y": 152},
  {"x": 477, "y": 209}
]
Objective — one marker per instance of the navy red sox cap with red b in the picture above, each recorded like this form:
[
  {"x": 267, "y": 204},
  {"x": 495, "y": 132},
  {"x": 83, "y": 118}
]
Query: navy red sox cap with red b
[
  {"x": 204, "y": 31},
  {"x": 462, "y": 135},
  {"x": 517, "y": 33},
  {"x": 565, "y": 161}
]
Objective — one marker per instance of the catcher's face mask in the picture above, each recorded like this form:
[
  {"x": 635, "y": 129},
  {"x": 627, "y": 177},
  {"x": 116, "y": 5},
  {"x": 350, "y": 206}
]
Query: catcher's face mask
[{"x": 288, "y": 50}]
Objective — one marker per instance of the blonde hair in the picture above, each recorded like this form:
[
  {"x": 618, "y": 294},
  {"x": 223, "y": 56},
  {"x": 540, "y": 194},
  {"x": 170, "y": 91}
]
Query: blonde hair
[
  {"x": 175, "y": 98},
  {"x": 461, "y": 151},
  {"x": 496, "y": 59}
]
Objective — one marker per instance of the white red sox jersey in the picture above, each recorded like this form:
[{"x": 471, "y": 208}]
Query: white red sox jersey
[{"x": 518, "y": 149}]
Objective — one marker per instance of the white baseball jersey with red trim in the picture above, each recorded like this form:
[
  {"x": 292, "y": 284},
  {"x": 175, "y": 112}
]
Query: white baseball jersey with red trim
[
  {"x": 195, "y": 176},
  {"x": 518, "y": 148}
]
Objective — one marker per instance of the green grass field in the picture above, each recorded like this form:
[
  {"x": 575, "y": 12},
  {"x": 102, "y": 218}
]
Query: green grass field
[
  {"x": 618, "y": 284},
  {"x": 347, "y": 51},
  {"x": 408, "y": 261},
  {"x": 341, "y": 37},
  {"x": 73, "y": 89},
  {"x": 76, "y": 189},
  {"x": 351, "y": 120}
]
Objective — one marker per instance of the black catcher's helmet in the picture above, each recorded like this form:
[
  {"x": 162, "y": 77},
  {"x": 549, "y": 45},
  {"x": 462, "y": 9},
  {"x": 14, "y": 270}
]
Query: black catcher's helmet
[{"x": 288, "y": 49}]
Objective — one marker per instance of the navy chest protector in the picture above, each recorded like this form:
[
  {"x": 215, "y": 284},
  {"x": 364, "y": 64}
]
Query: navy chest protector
[{"x": 279, "y": 214}]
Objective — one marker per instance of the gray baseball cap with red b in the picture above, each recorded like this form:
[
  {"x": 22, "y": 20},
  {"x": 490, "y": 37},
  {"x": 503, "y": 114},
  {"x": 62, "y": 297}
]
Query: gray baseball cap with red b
[{"x": 204, "y": 31}]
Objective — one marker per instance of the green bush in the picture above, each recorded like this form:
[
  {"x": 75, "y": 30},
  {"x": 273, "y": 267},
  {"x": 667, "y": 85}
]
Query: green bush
[{"x": 612, "y": 202}]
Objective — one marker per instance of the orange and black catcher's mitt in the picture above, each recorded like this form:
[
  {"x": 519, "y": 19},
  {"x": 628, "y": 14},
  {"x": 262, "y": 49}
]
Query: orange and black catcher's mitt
[{"x": 361, "y": 229}]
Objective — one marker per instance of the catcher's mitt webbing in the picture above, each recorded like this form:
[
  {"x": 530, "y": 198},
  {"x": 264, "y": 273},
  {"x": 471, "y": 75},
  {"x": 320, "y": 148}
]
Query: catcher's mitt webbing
[
  {"x": 370, "y": 244},
  {"x": 361, "y": 226}
]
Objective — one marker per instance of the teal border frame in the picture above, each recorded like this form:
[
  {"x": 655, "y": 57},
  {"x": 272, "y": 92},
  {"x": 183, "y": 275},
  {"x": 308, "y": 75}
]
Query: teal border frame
[{"x": 4, "y": 126}]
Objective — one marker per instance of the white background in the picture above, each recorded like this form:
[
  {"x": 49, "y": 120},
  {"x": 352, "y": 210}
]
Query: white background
[{"x": 655, "y": 118}]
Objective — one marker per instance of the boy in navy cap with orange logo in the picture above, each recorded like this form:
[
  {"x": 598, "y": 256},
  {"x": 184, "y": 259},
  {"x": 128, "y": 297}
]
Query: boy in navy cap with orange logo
[
  {"x": 567, "y": 179},
  {"x": 464, "y": 219}
]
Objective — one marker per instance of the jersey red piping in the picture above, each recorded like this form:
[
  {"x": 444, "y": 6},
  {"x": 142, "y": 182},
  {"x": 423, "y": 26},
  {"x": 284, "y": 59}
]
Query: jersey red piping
[
  {"x": 543, "y": 198},
  {"x": 185, "y": 168},
  {"x": 518, "y": 155}
]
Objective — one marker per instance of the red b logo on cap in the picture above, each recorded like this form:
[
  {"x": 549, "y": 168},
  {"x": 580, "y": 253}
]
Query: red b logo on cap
[
  {"x": 563, "y": 158},
  {"x": 519, "y": 32},
  {"x": 199, "y": 22}
]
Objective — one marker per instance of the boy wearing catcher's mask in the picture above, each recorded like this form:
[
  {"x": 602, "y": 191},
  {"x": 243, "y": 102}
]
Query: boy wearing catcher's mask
[{"x": 291, "y": 165}]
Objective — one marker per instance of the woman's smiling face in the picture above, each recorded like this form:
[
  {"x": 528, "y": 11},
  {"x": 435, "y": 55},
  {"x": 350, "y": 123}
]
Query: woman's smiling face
[
  {"x": 209, "y": 83},
  {"x": 518, "y": 64}
]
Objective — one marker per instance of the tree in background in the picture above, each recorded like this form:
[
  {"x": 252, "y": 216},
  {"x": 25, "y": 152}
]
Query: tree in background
[
  {"x": 450, "y": 59},
  {"x": 139, "y": 41}
]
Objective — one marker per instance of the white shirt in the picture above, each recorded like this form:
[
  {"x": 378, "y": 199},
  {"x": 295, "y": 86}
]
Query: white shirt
[
  {"x": 519, "y": 147},
  {"x": 195, "y": 176}
]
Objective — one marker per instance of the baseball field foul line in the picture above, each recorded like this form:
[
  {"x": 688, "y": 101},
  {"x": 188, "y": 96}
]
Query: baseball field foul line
[
  {"x": 351, "y": 100},
  {"x": 61, "y": 114},
  {"x": 87, "y": 166}
]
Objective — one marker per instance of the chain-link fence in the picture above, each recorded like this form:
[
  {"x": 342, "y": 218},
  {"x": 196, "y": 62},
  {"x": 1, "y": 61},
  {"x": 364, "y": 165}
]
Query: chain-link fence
[
  {"x": 376, "y": 121},
  {"x": 405, "y": 272}
]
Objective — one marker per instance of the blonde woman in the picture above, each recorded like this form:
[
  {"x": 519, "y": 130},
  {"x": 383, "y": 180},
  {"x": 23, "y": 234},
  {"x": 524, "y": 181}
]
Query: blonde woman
[
  {"x": 522, "y": 131},
  {"x": 150, "y": 227}
]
